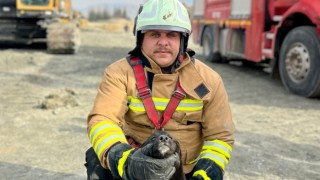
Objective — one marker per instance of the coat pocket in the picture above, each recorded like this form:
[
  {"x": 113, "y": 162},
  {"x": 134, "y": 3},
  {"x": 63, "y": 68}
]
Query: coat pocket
[
  {"x": 187, "y": 118},
  {"x": 193, "y": 155}
]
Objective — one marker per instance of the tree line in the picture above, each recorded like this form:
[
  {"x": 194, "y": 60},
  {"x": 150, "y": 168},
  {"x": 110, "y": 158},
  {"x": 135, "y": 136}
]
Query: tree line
[{"x": 100, "y": 15}]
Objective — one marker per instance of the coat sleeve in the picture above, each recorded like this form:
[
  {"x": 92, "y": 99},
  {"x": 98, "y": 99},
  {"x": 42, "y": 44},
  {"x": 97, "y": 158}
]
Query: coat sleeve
[
  {"x": 218, "y": 127},
  {"x": 104, "y": 120}
]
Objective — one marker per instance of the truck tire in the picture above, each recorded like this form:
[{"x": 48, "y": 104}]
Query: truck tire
[
  {"x": 299, "y": 62},
  {"x": 63, "y": 38},
  {"x": 208, "y": 46}
]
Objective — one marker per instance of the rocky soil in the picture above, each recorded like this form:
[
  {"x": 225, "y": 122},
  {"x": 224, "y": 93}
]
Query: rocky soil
[{"x": 45, "y": 99}]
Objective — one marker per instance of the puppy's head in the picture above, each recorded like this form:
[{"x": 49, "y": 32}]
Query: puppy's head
[{"x": 161, "y": 145}]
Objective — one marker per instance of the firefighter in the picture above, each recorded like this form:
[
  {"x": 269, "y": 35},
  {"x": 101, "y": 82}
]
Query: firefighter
[{"x": 160, "y": 85}]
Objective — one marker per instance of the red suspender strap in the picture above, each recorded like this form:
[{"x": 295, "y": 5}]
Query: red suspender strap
[
  {"x": 144, "y": 91},
  {"x": 146, "y": 97},
  {"x": 176, "y": 97}
]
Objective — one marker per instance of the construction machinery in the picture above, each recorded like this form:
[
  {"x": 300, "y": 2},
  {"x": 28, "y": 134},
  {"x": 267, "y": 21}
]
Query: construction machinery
[
  {"x": 284, "y": 35},
  {"x": 31, "y": 21}
]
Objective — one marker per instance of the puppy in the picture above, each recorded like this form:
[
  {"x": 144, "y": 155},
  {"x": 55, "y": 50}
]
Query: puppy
[{"x": 163, "y": 145}]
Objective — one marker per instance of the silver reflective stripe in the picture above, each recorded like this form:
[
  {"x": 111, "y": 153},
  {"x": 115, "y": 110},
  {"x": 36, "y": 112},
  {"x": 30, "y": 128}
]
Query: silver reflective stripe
[
  {"x": 105, "y": 141},
  {"x": 100, "y": 128},
  {"x": 164, "y": 104},
  {"x": 163, "y": 27},
  {"x": 150, "y": 14},
  {"x": 213, "y": 156},
  {"x": 181, "y": 15},
  {"x": 190, "y": 104},
  {"x": 136, "y": 104},
  {"x": 209, "y": 143},
  {"x": 161, "y": 105}
]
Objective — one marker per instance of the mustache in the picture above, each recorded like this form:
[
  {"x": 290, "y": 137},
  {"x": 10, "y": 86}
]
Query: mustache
[{"x": 161, "y": 49}]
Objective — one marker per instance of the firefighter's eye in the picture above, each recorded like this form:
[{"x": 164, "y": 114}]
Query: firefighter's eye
[
  {"x": 155, "y": 34},
  {"x": 173, "y": 34}
]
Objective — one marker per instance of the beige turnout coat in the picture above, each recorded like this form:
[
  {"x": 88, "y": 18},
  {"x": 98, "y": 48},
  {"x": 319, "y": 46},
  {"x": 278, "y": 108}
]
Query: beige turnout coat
[{"x": 212, "y": 119}]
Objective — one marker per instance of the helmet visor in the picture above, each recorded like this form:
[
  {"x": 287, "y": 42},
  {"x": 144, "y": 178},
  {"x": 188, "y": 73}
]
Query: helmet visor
[{"x": 164, "y": 27}]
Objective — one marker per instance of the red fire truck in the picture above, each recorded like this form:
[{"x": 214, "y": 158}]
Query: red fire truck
[{"x": 283, "y": 34}]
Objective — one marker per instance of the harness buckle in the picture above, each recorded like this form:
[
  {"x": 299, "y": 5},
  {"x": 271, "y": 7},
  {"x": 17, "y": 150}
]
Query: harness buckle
[
  {"x": 135, "y": 63},
  {"x": 178, "y": 94},
  {"x": 144, "y": 93}
]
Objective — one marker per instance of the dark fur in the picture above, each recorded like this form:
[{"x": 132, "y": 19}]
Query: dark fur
[{"x": 163, "y": 145}]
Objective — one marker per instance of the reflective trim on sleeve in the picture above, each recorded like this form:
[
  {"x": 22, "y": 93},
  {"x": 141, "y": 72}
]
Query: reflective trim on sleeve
[
  {"x": 217, "y": 151},
  {"x": 161, "y": 104},
  {"x": 202, "y": 173},
  {"x": 107, "y": 141},
  {"x": 100, "y": 129},
  {"x": 216, "y": 157},
  {"x": 122, "y": 161},
  {"x": 219, "y": 146},
  {"x": 105, "y": 134}
]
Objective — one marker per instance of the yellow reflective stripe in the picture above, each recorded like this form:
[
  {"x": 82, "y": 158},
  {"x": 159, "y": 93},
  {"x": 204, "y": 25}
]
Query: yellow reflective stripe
[
  {"x": 103, "y": 135},
  {"x": 219, "y": 146},
  {"x": 202, "y": 173},
  {"x": 194, "y": 160},
  {"x": 161, "y": 104},
  {"x": 142, "y": 109},
  {"x": 111, "y": 131},
  {"x": 216, "y": 157},
  {"x": 101, "y": 129},
  {"x": 122, "y": 160},
  {"x": 99, "y": 125},
  {"x": 106, "y": 141}
]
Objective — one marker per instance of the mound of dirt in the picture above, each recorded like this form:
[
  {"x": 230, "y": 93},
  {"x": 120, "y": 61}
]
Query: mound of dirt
[{"x": 62, "y": 98}]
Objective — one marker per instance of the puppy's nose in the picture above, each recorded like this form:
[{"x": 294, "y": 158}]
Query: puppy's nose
[{"x": 164, "y": 138}]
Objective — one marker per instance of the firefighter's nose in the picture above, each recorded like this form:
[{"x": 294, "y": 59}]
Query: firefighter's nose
[
  {"x": 164, "y": 138},
  {"x": 163, "y": 41}
]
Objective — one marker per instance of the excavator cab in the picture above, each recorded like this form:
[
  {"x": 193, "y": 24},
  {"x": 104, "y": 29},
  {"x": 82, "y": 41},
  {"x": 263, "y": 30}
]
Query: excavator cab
[
  {"x": 29, "y": 21},
  {"x": 45, "y": 8}
]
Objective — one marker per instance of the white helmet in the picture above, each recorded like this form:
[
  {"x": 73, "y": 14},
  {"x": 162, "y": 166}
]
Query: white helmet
[
  {"x": 163, "y": 15},
  {"x": 169, "y": 15}
]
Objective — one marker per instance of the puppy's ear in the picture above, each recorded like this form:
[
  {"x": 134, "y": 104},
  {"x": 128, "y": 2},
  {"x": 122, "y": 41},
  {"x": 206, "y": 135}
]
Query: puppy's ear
[
  {"x": 147, "y": 149},
  {"x": 178, "y": 149}
]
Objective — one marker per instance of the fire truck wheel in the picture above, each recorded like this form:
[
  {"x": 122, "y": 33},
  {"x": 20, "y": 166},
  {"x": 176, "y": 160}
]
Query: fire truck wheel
[
  {"x": 300, "y": 61},
  {"x": 208, "y": 46}
]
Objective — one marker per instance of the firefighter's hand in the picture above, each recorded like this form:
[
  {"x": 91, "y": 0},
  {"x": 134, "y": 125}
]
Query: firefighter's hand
[
  {"x": 130, "y": 163},
  {"x": 207, "y": 169}
]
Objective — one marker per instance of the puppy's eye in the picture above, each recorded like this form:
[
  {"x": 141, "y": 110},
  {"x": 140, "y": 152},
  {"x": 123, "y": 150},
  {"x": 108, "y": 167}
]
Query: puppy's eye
[{"x": 153, "y": 138}]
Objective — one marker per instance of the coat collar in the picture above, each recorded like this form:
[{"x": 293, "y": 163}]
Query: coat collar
[
  {"x": 154, "y": 67},
  {"x": 190, "y": 79}
]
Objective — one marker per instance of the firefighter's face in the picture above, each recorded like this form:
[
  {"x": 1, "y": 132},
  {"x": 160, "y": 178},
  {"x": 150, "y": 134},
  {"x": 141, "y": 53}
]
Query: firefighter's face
[{"x": 161, "y": 46}]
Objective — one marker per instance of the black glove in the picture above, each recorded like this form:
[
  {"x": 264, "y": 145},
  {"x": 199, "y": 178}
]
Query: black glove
[
  {"x": 207, "y": 168},
  {"x": 139, "y": 166}
]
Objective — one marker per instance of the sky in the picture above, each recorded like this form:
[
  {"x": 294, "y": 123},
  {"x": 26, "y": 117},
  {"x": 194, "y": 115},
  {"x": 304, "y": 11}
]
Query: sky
[{"x": 131, "y": 5}]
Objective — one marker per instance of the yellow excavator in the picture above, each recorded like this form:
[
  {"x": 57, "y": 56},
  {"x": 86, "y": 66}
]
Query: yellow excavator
[{"x": 50, "y": 21}]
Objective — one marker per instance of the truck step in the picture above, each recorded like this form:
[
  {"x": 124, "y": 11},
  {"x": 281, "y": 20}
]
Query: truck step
[
  {"x": 269, "y": 35},
  {"x": 277, "y": 18},
  {"x": 267, "y": 51}
]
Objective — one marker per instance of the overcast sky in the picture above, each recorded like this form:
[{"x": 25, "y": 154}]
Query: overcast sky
[{"x": 83, "y": 5}]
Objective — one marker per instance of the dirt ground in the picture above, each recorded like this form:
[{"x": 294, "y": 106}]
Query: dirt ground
[{"x": 45, "y": 99}]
